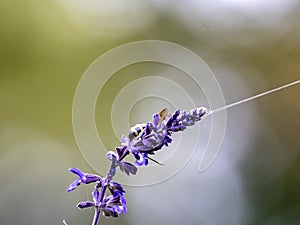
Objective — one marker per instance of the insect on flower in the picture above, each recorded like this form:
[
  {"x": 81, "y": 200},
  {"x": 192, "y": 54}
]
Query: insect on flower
[
  {"x": 143, "y": 139},
  {"x": 138, "y": 128}
]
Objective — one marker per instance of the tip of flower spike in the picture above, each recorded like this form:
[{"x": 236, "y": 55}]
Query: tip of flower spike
[
  {"x": 203, "y": 112},
  {"x": 73, "y": 185}
]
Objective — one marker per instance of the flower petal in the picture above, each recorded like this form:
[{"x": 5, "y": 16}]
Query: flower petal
[
  {"x": 73, "y": 185},
  {"x": 96, "y": 197},
  {"x": 155, "y": 120},
  {"x": 142, "y": 159},
  {"x": 116, "y": 186},
  {"x": 76, "y": 171},
  {"x": 128, "y": 168},
  {"x": 110, "y": 211},
  {"x": 86, "y": 204},
  {"x": 90, "y": 178}
]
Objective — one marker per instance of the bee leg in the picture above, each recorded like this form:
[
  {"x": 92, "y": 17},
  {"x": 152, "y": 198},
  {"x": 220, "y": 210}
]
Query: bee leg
[{"x": 155, "y": 161}]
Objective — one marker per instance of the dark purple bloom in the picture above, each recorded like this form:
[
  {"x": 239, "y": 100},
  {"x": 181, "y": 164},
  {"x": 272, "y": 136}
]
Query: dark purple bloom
[
  {"x": 83, "y": 178},
  {"x": 122, "y": 152},
  {"x": 115, "y": 186},
  {"x": 114, "y": 205}
]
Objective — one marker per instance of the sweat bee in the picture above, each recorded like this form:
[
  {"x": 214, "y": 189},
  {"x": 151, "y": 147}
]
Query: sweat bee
[{"x": 138, "y": 128}]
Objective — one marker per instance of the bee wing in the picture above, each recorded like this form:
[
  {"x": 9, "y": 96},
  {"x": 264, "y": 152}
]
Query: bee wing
[{"x": 163, "y": 114}]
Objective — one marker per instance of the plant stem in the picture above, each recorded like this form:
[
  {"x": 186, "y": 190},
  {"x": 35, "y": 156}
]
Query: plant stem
[
  {"x": 96, "y": 216},
  {"x": 103, "y": 189},
  {"x": 102, "y": 192}
]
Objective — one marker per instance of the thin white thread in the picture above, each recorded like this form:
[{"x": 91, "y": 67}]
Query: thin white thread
[{"x": 210, "y": 112}]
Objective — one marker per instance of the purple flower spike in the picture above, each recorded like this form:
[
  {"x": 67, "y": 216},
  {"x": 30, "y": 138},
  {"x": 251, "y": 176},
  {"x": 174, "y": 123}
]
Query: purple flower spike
[
  {"x": 157, "y": 134},
  {"x": 194, "y": 115},
  {"x": 151, "y": 137},
  {"x": 83, "y": 178}
]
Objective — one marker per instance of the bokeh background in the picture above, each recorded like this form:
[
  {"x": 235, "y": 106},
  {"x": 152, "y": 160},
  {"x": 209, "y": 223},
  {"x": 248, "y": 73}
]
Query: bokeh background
[{"x": 250, "y": 45}]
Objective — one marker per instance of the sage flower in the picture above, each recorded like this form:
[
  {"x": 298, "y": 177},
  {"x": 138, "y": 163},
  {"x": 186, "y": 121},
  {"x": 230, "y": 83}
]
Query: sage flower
[{"x": 154, "y": 136}]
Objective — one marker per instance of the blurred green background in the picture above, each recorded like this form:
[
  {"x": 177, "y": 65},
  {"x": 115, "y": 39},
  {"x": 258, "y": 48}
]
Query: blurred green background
[{"x": 251, "y": 46}]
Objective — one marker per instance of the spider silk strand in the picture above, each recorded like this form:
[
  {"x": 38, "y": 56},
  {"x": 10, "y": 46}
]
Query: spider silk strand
[{"x": 252, "y": 98}]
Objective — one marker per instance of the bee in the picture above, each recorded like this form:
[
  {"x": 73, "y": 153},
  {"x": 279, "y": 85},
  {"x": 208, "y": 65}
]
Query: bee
[{"x": 138, "y": 128}]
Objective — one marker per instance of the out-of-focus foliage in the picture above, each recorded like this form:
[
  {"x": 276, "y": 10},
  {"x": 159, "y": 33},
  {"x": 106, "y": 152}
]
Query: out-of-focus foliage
[{"x": 251, "y": 46}]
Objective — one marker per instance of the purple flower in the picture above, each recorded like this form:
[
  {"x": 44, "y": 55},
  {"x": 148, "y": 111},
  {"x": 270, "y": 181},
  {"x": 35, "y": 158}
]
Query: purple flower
[
  {"x": 157, "y": 134},
  {"x": 141, "y": 158},
  {"x": 122, "y": 151},
  {"x": 194, "y": 115},
  {"x": 153, "y": 136},
  {"x": 112, "y": 205},
  {"x": 85, "y": 204},
  {"x": 173, "y": 123},
  {"x": 126, "y": 167},
  {"x": 83, "y": 178},
  {"x": 115, "y": 186}
]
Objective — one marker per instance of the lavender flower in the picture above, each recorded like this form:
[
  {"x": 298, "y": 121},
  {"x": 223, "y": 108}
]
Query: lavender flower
[
  {"x": 111, "y": 205},
  {"x": 155, "y": 135},
  {"x": 83, "y": 178},
  {"x": 158, "y": 134}
]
